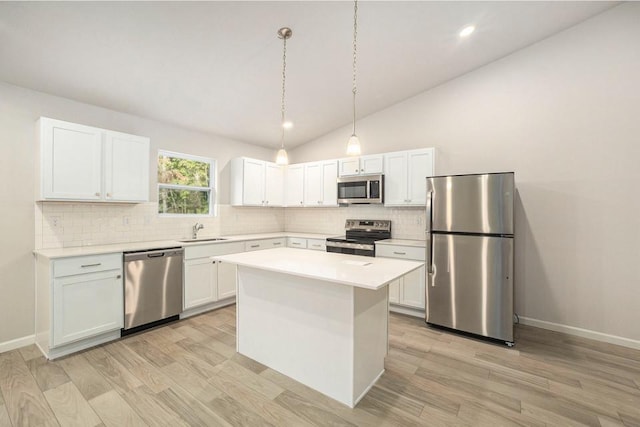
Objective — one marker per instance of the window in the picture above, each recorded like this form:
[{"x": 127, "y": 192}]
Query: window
[{"x": 185, "y": 184}]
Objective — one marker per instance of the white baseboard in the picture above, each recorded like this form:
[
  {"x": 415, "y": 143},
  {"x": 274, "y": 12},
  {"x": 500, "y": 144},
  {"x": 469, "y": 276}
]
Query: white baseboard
[
  {"x": 409, "y": 311},
  {"x": 17, "y": 343},
  {"x": 579, "y": 332}
]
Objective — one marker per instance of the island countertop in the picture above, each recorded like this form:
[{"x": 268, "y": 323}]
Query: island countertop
[{"x": 352, "y": 270}]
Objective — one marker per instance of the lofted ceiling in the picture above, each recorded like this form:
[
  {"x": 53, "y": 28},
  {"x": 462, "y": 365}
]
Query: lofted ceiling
[{"x": 216, "y": 67}]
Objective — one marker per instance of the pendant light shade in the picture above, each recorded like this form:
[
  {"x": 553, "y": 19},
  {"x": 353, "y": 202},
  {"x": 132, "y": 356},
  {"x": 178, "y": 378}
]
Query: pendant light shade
[
  {"x": 282, "y": 158},
  {"x": 284, "y": 33},
  {"x": 353, "y": 146}
]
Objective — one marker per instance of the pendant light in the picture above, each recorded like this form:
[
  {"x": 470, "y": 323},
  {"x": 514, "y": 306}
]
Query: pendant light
[
  {"x": 284, "y": 33},
  {"x": 353, "y": 146}
]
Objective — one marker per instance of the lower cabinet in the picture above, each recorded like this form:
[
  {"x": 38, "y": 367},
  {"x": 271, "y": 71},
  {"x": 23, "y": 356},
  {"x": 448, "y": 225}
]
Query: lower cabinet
[
  {"x": 207, "y": 280},
  {"x": 409, "y": 290},
  {"x": 79, "y": 302}
]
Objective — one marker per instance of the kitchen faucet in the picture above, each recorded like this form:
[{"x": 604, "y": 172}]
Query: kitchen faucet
[{"x": 196, "y": 228}]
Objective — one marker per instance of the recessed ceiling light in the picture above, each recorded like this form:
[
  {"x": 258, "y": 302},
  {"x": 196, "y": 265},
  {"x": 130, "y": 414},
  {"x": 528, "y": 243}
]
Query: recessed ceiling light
[
  {"x": 466, "y": 31},
  {"x": 287, "y": 125}
]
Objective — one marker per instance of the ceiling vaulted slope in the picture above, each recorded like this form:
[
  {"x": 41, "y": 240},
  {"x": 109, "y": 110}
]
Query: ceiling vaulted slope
[{"x": 215, "y": 67}]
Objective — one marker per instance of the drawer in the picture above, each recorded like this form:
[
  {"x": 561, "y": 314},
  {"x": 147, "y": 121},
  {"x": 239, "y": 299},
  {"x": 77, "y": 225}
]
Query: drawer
[
  {"x": 317, "y": 244},
  {"x": 401, "y": 252},
  {"x": 87, "y": 264},
  {"x": 202, "y": 251},
  {"x": 256, "y": 245},
  {"x": 297, "y": 242}
]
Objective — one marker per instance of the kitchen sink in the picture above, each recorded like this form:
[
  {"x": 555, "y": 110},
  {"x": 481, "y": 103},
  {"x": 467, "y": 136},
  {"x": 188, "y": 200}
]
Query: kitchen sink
[{"x": 211, "y": 239}]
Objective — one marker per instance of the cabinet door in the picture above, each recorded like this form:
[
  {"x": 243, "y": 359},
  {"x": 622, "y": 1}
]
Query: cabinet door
[
  {"x": 313, "y": 184},
  {"x": 274, "y": 185},
  {"x": 253, "y": 182},
  {"x": 126, "y": 167},
  {"x": 329, "y": 184},
  {"x": 226, "y": 280},
  {"x": 371, "y": 164},
  {"x": 395, "y": 179},
  {"x": 394, "y": 291},
  {"x": 413, "y": 288},
  {"x": 294, "y": 185},
  {"x": 420, "y": 166},
  {"x": 71, "y": 161},
  {"x": 349, "y": 166},
  {"x": 86, "y": 305},
  {"x": 200, "y": 277}
]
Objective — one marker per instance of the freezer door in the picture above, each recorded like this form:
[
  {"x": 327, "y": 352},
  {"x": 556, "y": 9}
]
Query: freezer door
[
  {"x": 470, "y": 285},
  {"x": 472, "y": 203}
]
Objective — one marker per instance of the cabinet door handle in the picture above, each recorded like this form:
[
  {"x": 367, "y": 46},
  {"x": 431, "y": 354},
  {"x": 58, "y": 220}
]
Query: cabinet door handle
[
  {"x": 277, "y": 243},
  {"x": 119, "y": 276},
  {"x": 399, "y": 253},
  {"x": 91, "y": 265},
  {"x": 254, "y": 246},
  {"x": 361, "y": 170},
  {"x": 98, "y": 194},
  {"x": 295, "y": 243},
  {"x": 301, "y": 202},
  {"x": 108, "y": 194}
]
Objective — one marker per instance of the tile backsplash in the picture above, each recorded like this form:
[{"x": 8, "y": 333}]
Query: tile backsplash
[{"x": 61, "y": 224}]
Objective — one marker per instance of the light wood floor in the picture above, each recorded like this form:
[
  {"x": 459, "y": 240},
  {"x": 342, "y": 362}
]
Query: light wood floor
[{"x": 189, "y": 374}]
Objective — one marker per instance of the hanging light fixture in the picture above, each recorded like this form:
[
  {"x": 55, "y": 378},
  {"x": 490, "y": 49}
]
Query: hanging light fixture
[
  {"x": 284, "y": 33},
  {"x": 353, "y": 146}
]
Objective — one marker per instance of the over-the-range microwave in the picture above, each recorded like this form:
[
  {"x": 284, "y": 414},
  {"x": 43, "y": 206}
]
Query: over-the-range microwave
[{"x": 361, "y": 189}]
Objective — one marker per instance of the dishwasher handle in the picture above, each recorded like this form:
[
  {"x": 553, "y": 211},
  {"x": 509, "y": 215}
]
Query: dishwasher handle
[{"x": 157, "y": 253}]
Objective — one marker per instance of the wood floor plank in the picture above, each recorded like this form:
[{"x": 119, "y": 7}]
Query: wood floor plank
[
  {"x": 309, "y": 411},
  {"x": 30, "y": 352},
  {"x": 250, "y": 379},
  {"x": 266, "y": 408},
  {"x": 150, "y": 353},
  {"x": 151, "y": 409},
  {"x": 85, "y": 377},
  {"x": 115, "y": 411},
  {"x": 193, "y": 412},
  {"x": 236, "y": 414},
  {"x": 117, "y": 375},
  {"x": 201, "y": 351},
  {"x": 4, "y": 415},
  {"x": 23, "y": 399},
  {"x": 48, "y": 374},
  {"x": 198, "y": 387},
  {"x": 70, "y": 407}
]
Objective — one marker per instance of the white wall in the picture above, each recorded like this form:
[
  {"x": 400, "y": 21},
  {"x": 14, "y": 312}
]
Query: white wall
[
  {"x": 19, "y": 110},
  {"x": 564, "y": 114}
]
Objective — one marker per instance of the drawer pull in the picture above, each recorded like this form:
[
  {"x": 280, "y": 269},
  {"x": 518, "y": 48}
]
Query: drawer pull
[
  {"x": 119, "y": 276},
  {"x": 295, "y": 243},
  {"x": 399, "y": 253},
  {"x": 254, "y": 246},
  {"x": 277, "y": 243},
  {"x": 91, "y": 265}
]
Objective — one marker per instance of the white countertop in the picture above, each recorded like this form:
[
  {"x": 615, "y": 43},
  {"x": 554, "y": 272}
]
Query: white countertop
[
  {"x": 161, "y": 244},
  {"x": 352, "y": 270},
  {"x": 402, "y": 242}
]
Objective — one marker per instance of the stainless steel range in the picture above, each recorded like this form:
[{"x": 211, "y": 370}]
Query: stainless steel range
[{"x": 360, "y": 237}]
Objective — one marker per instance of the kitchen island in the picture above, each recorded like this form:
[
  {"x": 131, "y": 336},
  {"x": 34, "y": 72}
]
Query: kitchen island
[{"x": 319, "y": 318}]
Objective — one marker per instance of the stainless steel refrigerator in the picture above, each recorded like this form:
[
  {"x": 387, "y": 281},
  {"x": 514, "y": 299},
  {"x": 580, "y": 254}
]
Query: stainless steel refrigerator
[{"x": 469, "y": 255}]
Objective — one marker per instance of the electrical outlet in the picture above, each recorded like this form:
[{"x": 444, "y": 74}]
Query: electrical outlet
[
  {"x": 54, "y": 221},
  {"x": 419, "y": 220},
  {"x": 125, "y": 220}
]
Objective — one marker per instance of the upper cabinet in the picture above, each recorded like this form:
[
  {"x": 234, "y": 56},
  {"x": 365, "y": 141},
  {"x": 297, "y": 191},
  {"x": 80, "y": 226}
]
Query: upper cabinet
[
  {"x": 363, "y": 165},
  {"x": 84, "y": 163},
  {"x": 320, "y": 184},
  {"x": 294, "y": 185},
  {"x": 256, "y": 183},
  {"x": 405, "y": 177}
]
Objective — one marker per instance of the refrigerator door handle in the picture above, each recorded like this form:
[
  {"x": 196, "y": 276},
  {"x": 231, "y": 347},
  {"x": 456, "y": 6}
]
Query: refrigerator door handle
[{"x": 429, "y": 240}]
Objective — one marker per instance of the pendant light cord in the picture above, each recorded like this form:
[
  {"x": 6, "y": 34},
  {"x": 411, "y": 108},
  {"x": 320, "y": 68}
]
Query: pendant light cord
[
  {"x": 355, "y": 51},
  {"x": 284, "y": 77}
]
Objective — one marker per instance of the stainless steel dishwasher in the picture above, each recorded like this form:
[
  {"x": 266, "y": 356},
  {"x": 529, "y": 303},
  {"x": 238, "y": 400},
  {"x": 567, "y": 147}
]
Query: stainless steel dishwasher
[{"x": 152, "y": 288}]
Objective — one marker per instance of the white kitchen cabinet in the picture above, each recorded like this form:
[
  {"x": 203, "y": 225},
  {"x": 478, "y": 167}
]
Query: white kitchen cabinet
[
  {"x": 296, "y": 242},
  {"x": 320, "y": 185},
  {"x": 84, "y": 163},
  {"x": 405, "y": 177},
  {"x": 317, "y": 244},
  {"x": 409, "y": 290},
  {"x": 294, "y": 185},
  {"x": 79, "y": 302},
  {"x": 206, "y": 280},
  {"x": 256, "y": 183},
  {"x": 363, "y": 165}
]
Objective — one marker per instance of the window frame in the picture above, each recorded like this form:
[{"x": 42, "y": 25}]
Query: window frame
[{"x": 212, "y": 189}]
